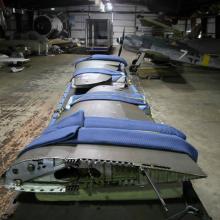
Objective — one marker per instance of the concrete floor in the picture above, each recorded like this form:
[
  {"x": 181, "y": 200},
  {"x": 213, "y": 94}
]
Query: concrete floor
[
  {"x": 27, "y": 100},
  {"x": 190, "y": 102},
  {"x": 194, "y": 107}
]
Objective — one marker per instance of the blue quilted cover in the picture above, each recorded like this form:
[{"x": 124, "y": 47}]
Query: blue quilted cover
[
  {"x": 102, "y": 57},
  {"x": 78, "y": 129},
  {"x": 131, "y": 98}
]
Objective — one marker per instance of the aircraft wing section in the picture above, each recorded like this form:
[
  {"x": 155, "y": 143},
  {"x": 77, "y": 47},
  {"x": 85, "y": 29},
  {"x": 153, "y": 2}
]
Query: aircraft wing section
[
  {"x": 148, "y": 22},
  {"x": 12, "y": 60},
  {"x": 156, "y": 56},
  {"x": 152, "y": 23}
]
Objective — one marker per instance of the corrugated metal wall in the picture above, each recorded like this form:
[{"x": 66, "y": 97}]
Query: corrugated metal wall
[{"x": 123, "y": 16}]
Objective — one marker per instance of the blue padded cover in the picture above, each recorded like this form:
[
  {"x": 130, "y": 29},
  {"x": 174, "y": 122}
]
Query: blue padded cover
[
  {"x": 115, "y": 74},
  {"x": 133, "y": 138},
  {"x": 74, "y": 119},
  {"x": 65, "y": 129},
  {"x": 101, "y": 122},
  {"x": 103, "y": 57},
  {"x": 76, "y": 129},
  {"x": 131, "y": 98}
]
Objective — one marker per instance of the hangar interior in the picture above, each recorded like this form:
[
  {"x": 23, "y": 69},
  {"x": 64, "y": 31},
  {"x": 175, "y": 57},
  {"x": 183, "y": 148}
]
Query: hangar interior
[{"x": 109, "y": 109}]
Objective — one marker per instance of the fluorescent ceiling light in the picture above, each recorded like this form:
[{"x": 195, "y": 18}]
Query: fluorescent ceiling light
[
  {"x": 102, "y": 7},
  {"x": 97, "y": 2},
  {"x": 109, "y": 6}
]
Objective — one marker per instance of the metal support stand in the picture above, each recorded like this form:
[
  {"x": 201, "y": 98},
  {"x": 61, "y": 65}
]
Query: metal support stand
[
  {"x": 179, "y": 215},
  {"x": 138, "y": 61},
  {"x": 188, "y": 210},
  {"x": 145, "y": 173}
]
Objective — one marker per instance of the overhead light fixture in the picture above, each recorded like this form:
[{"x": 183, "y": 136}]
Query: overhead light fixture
[
  {"x": 52, "y": 9},
  {"x": 102, "y": 7},
  {"x": 97, "y": 2},
  {"x": 18, "y": 11},
  {"x": 109, "y": 6}
]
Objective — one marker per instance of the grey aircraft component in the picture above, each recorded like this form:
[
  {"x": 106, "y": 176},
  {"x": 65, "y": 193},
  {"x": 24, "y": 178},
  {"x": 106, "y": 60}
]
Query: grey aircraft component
[
  {"x": 48, "y": 25},
  {"x": 161, "y": 50},
  {"x": 113, "y": 65},
  {"x": 57, "y": 168},
  {"x": 91, "y": 172},
  {"x": 6, "y": 59},
  {"x": 91, "y": 80}
]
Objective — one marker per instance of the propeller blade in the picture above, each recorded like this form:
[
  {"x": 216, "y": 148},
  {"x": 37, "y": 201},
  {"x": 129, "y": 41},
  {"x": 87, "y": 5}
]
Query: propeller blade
[{"x": 121, "y": 42}]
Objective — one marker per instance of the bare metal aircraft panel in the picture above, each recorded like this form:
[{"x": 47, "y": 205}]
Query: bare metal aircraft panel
[
  {"x": 88, "y": 80},
  {"x": 106, "y": 108},
  {"x": 112, "y": 109},
  {"x": 107, "y": 88},
  {"x": 99, "y": 64},
  {"x": 172, "y": 161}
]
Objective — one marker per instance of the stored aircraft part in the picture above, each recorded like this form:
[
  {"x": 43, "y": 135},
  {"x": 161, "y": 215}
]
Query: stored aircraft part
[
  {"x": 16, "y": 70},
  {"x": 6, "y": 59},
  {"x": 166, "y": 27},
  {"x": 102, "y": 71},
  {"x": 89, "y": 81},
  {"x": 156, "y": 23},
  {"x": 102, "y": 58},
  {"x": 110, "y": 62},
  {"x": 178, "y": 208},
  {"x": 164, "y": 51},
  {"x": 99, "y": 142},
  {"x": 48, "y": 25},
  {"x": 121, "y": 42},
  {"x": 95, "y": 76}
]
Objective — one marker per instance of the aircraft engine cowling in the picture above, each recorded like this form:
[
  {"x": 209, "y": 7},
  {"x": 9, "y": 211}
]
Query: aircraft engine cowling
[{"x": 48, "y": 25}]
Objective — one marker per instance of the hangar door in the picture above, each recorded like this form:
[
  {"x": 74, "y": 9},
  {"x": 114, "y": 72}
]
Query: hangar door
[{"x": 98, "y": 33}]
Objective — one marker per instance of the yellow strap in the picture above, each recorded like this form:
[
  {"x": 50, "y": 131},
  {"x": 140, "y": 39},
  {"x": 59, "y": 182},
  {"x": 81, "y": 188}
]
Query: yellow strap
[{"x": 205, "y": 59}]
